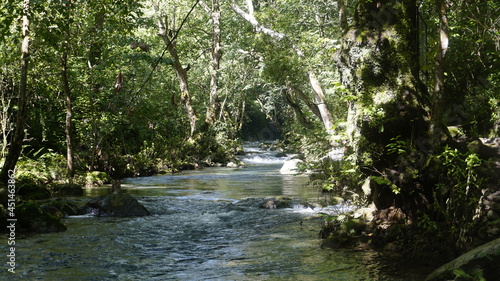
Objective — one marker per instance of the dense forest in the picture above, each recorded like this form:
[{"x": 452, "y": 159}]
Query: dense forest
[{"x": 93, "y": 91}]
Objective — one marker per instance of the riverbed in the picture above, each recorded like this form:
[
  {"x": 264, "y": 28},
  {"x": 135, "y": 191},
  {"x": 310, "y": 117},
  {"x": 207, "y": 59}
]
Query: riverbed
[{"x": 204, "y": 225}]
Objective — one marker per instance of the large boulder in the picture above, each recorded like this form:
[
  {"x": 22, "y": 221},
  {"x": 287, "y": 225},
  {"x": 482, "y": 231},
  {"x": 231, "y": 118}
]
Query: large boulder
[
  {"x": 30, "y": 191},
  {"x": 31, "y": 217},
  {"x": 67, "y": 189},
  {"x": 483, "y": 260},
  {"x": 290, "y": 167},
  {"x": 116, "y": 205},
  {"x": 276, "y": 203},
  {"x": 67, "y": 208}
]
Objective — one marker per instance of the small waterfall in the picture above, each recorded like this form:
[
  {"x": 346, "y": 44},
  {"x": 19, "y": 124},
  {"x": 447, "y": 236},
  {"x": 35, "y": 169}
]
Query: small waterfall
[{"x": 255, "y": 154}]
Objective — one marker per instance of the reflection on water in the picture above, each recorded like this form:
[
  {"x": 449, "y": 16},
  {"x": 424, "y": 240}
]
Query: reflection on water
[{"x": 205, "y": 225}]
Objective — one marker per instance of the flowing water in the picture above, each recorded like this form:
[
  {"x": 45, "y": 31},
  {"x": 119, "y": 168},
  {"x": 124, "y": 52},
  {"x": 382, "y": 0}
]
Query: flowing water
[{"x": 204, "y": 225}]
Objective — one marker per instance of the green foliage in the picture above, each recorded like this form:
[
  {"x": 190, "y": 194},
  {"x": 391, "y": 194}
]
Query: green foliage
[
  {"x": 397, "y": 146},
  {"x": 456, "y": 197},
  {"x": 46, "y": 168},
  {"x": 476, "y": 275},
  {"x": 338, "y": 179}
]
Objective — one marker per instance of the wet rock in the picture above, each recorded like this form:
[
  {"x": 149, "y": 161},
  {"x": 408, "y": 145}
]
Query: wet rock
[
  {"x": 280, "y": 154},
  {"x": 68, "y": 208},
  {"x": 53, "y": 211},
  {"x": 491, "y": 205},
  {"x": 482, "y": 259},
  {"x": 232, "y": 165},
  {"x": 116, "y": 205},
  {"x": 67, "y": 189},
  {"x": 31, "y": 191},
  {"x": 366, "y": 214},
  {"x": 495, "y": 196},
  {"x": 290, "y": 167},
  {"x": 342, "y": 231},
  {"x": 33, "y": 218},
  {"x": 276, "y": 203}
]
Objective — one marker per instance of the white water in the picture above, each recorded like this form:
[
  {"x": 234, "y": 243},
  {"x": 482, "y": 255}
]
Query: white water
[{"x": 205, "y": 225}]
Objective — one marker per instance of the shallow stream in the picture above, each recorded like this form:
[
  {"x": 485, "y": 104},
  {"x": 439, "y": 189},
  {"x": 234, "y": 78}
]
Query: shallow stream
[{"x": 205, "y": 225}]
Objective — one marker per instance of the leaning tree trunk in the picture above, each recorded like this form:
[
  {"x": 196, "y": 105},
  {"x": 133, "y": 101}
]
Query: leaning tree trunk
[
  {"x": 379, "y": 65},
  {"x": 170, "y": 43},
  {"x": 318, "y": 106},
  {"x": 16, "y": 144}
]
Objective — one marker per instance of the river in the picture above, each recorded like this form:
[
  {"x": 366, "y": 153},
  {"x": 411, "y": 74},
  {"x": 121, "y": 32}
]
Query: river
[{"x": 204, "y": 225}]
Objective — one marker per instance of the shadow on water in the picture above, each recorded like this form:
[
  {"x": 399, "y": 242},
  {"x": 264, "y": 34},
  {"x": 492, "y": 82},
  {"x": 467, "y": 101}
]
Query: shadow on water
[{"x": 205, "y": 225}]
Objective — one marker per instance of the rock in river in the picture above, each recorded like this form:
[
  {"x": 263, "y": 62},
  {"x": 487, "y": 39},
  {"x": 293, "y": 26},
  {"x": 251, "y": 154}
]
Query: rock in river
[
  {"x": 116, "y": 205},
  {"x": 290, "y": 167}
]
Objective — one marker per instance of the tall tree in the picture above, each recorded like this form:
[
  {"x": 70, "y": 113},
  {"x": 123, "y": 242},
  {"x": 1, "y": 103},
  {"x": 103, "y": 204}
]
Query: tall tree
[
  {"x": 16, "y": 144},
  {"x": 379, "y": 66},
  {"x": 216, "y": 55},
  {"x": 319, "y": 105},
  {"x": 438, "y": 98},
  {"x": 168, "y": 31}
]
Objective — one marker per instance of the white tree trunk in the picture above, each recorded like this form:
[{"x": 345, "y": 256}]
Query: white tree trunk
[{"x": 319, "y": 97}]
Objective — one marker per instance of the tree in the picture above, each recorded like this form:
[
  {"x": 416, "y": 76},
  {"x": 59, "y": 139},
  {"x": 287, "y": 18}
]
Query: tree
[
  {"x": 216, "y": 55},
  {"x": 168, "y": 31},
  {"x": 379, "y": 66},
  {"x": 318, "y": 104},
  {"x": 22, "y": 113}
]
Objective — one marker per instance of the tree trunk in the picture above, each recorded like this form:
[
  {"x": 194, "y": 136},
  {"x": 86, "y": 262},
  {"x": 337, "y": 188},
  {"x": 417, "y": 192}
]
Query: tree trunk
[
  {"x": 436, "y": 125},
  {"x": 318, "y": 106},
  {"x": 342, "y": 15},
  {"x": 216, "y": 55},
  {"x": 4, "y": 115},
  {"x": 16, "y": 144},
  {"x": 69, "y": 115},
  {"x": 379, "y": 65},
  {"x": 319, "y": 100},
  {"x": 94, "y": 59},
  {"x": 179, "y": 70}
]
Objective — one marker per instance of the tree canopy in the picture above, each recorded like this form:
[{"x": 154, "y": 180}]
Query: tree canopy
[{"x": 141, "y": 87}]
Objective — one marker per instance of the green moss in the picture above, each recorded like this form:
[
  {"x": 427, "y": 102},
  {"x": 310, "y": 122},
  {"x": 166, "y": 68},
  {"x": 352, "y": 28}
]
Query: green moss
[
  {"x": 66, "y": 207},
  {"x": 28, "y": 190},
  {"x": 32, "y": 218}
]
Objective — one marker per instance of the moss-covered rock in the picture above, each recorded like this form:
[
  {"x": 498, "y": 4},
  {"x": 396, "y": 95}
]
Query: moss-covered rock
[
  {"x": 31, "y": 191},
  {"x": 67, "y": 189},
  {"x": 53, "y": 211},
  {"x": 116, "y": 205},
  {"x": 342, "y": 231},
  {"x": 33, "y": 218},
  {"x": 66, "y": 207},
  {"x": 276, "y": 203}
]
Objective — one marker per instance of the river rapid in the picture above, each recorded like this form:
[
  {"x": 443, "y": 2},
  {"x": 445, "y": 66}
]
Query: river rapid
[{"x": 204, "y": 225}]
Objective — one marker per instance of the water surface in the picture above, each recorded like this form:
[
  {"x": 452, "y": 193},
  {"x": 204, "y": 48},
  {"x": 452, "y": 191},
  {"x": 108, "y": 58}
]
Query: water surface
[{"x": 204, "y": 225}]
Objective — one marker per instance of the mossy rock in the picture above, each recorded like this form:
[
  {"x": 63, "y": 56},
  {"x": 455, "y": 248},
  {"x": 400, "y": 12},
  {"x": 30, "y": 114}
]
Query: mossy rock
[
  {"x": 67, "y": 189},
  {"x": 116, "y": 205},
  {"x": 354, "y": 226},
  {"x": 342, "y": 231},
  {"x": 32, "y": 191},
  {"x": 33, "y": 218},
  {"x": 276, "y": 203},
  {"x": 53, "y": 211},
  {"x": 68, "y": 208}
]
